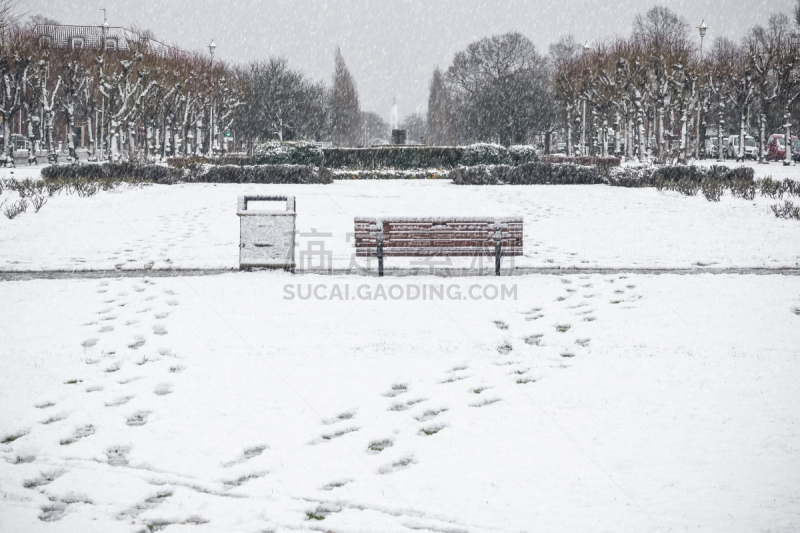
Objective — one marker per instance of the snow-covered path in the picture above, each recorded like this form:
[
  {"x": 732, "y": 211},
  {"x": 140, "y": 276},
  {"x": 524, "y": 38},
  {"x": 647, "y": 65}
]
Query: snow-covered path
[{"x": 589, "y": 403}]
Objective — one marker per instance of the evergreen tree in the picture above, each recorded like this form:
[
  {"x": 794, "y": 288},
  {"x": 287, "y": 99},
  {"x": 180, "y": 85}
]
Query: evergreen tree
[
  {"x": 439, "y": 123},
  {"x": 345, "y": 109}
]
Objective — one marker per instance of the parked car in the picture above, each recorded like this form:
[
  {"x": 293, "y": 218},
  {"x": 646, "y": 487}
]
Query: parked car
[
  {"x": 796, "y": 150},
  {"x": 732, "y": 147},
  {"x": 561, "y": 148},
  {"x": 776, "y": 147},
  {"x": 20, "y": 141}
]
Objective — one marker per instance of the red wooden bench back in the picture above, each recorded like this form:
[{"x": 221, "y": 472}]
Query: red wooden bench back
[{"x": 426, "y": 237}]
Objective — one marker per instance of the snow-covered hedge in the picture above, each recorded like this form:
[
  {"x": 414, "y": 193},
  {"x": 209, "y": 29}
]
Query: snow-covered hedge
[
  {"x": 417, "y": 174},
  {"x": 485, "y": 154},
  {"x": 229, "y": 159},
  {"x": 127, "y": 172},
  {"x": 522, "y": 153},
  {"x": 528, "y": 174},
  {"x": 588, "y": 160},
  {"x": 393, "y": 157},
  {"x": 288, "y": 153},
  {"x": 659, "y": 176},
  {"x": 296, "y": 174},
  {"x": 114, "y": 173}
]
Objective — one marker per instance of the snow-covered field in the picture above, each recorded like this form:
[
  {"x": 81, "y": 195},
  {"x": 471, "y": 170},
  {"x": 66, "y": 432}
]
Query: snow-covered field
[
  {"x": 589, "y": 403},
  {"x": 195, "y": 226},
  {"x": 582, "y": 402}
]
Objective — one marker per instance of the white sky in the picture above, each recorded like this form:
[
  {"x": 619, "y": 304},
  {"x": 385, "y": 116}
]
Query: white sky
[{"x": 390, "y": 46}]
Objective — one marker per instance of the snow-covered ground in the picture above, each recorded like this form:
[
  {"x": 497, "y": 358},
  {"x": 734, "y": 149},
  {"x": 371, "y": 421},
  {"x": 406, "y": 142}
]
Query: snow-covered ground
[
  {"x": 589, "y": 403},
  {"x": 195, "y": 226},
  {"x": 583, "y": 402}
]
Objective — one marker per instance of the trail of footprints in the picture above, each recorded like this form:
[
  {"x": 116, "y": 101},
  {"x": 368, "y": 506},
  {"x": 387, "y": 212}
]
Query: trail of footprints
[
  {"x": 118, "y": 343},
  {"x": 578, "y": 304}
]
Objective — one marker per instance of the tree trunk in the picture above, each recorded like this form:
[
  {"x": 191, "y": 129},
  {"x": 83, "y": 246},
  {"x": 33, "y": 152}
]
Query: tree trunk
[
  {"x": 569, "y": 132},
  {"x": 90, "y": 133},
  {"x": 71, "y": 131},
  {"x": 742, "y": 126},
  {"x": 787, "y": 152},
  {"x": 762, "y": 132}
]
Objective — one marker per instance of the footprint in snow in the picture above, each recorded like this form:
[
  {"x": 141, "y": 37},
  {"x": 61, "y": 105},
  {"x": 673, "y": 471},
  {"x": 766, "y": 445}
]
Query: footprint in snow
[
  {"x": 159, "y": 330},
  {"x": 119, "y": 401},
  {"x": 138, "y": 418},
  {"x": 80, "y": 433},
  {"x": 163, "y": 389},
  {"x": 405, "y": 462}
]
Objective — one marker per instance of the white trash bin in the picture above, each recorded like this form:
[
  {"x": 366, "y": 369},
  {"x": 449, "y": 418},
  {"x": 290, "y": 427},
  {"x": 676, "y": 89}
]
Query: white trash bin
[{"x": 266, "y": 238}]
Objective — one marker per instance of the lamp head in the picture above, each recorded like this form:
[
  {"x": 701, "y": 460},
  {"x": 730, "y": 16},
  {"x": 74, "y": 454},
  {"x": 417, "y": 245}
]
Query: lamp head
[
  {"x": 702, "y": 28},
  {"x": 212, "y": 47}
]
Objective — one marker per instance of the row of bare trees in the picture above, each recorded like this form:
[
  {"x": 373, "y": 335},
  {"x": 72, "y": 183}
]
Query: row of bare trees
[
  {"x": 152, "y": 102},
  {"x": 144, "y": 102},
  {"x": 654, "y": 93},
  {"x": 657, "y": 93}
]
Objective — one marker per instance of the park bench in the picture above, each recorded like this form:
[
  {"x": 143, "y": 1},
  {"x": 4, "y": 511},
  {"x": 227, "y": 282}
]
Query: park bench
[{"x": 438, "y": 237}]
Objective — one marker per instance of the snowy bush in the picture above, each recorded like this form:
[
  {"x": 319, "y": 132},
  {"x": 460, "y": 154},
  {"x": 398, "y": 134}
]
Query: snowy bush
[
  {"x": 521, "y": 153},
  {"x": 787, "y": 210},
  {"x": 393, "y": 157},
  {"x": 288, "y": 153},
  {"x": 229, "y": 159},
  {"x": 296, "y": 174},
  {"x": 485, "y": 154},
  {"x": 417, "y": 174},
  {"x": 528, "y": 174},
  {"x": 109, "y": 172},
  {"x": 588, "y": 160}
]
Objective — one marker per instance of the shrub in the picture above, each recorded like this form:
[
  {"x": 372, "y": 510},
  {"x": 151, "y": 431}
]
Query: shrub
[
  {"x": 127, "y": 172},
  {"x": 484, "y": 154},
  {"x": 712, "y": 188},
  {"x": 787, "y": 210},
  {"x": 417, "y": 174},
  {"x": 393, "y": 157},
  {"x": 528, "y": 174},
  {"x": 297, "y": 174},
  {"x": 587, "y": 160},
  {"x": 288, "y": 153},
  {"x": 228, "y": 159},
  {"x": 521, "y": 153}
]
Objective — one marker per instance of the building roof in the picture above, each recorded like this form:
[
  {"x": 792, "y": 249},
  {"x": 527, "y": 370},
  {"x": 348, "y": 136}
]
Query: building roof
[{"x": 67, "y": 36}]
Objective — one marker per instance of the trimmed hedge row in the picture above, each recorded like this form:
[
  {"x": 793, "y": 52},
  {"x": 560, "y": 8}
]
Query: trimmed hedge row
[
  {"x": 398, "y": 157},
  {"x": 417, "y": 174},
  {"x": 528, "y": 174},
  {"x": 288, "y": 153},
  {"x": 135, "y": 173},
  {"x": 188, "y": 162},
  {"x": 128, "y": 172},
  {"x": 658, "y": 176},
  {"x": 296, "y": 174},
  {"x": 586, "y": 160}
]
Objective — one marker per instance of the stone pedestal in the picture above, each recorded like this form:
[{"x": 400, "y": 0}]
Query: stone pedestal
[{"x": 398, "y": 136}]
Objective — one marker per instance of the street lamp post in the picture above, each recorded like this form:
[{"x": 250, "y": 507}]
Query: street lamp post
[
  {"x": 103, "y": 30},
  {"x": 586, "y": 49},
  {"x": 702, "y": 28},
  {"x": 211, "y": 48}
]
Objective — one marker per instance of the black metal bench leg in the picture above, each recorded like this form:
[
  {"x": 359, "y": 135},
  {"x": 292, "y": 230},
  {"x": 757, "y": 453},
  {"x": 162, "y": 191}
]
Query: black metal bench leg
[
  {"x": 380, "y": 259},
  {"x": 498, "y": 248}
]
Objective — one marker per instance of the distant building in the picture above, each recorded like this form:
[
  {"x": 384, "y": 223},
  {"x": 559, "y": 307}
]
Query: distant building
[{"x": 80, "y": 37}]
